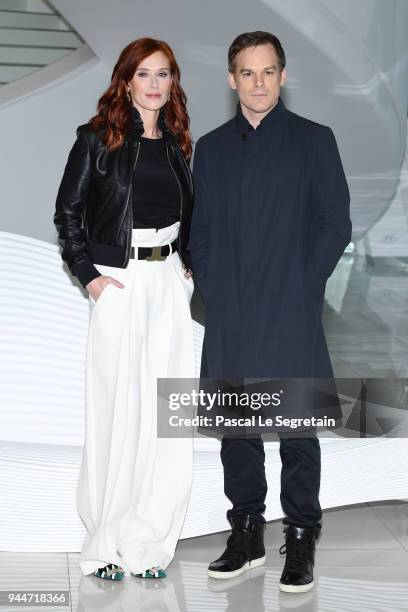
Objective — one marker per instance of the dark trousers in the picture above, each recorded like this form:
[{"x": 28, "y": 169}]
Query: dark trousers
[{"x": 245, "y": 482}]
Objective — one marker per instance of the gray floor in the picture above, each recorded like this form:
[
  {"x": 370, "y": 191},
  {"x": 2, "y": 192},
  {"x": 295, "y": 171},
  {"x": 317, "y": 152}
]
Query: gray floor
[{"x": 361, "y": 564}]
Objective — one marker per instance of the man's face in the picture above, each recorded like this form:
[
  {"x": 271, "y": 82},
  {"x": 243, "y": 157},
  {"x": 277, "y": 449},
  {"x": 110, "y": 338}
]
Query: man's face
[{"x": 257, "y": 78}]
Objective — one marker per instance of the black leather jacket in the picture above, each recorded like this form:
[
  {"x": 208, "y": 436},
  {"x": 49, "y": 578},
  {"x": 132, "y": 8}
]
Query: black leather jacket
[{"x": 93, "y": 212}]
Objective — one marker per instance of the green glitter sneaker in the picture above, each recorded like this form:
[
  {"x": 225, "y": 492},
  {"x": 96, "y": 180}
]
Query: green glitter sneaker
[
  {"x": 110, "y": 572},
  {"x": 152, "y": 573}
]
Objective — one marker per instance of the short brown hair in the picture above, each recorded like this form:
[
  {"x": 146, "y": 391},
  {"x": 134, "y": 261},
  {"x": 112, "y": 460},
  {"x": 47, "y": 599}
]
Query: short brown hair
[{"x": 253, "y": 39}]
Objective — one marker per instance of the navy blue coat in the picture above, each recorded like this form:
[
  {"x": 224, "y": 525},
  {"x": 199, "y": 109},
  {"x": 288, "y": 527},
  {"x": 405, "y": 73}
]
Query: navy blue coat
[{"x": 271, "y": 219}]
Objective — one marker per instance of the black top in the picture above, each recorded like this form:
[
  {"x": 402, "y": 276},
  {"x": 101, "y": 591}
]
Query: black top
[{"x": 155, "y": 191}]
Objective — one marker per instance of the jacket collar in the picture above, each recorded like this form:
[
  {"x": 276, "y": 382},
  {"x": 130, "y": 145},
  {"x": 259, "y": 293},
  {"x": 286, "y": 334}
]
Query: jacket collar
[
  {"x": 137, "y": 127},
  {"x": 275, "y": 114}
]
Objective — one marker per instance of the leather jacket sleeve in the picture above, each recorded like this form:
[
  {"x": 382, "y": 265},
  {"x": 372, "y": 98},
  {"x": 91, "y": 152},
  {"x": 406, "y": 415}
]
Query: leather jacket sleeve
[{"x": 69, "y": 210}]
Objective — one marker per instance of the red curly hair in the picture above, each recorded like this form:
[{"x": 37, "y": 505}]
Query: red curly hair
[{"x": 114, "y": 108}]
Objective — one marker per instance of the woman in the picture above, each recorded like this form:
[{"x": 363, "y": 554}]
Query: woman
[{"x": 123, "y": 215}]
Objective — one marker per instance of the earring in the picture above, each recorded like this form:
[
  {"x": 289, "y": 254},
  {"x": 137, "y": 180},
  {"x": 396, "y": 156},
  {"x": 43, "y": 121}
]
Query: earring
[{"x": 129, "y": 97}]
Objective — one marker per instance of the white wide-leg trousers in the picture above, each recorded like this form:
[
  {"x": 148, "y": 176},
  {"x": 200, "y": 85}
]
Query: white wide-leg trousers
[{"x": 133, "y": 488}]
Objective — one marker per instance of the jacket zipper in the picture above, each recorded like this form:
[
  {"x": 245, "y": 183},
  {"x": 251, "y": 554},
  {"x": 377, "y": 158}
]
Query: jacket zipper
[
  {"x": 181, "y": 200},
  {"x": 129, "y": 204}
]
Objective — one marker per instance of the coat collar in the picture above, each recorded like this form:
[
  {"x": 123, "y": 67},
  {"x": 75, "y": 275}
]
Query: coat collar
[
  {"x": 274, "y": 115},
  {"x": 137, "y": 127}
]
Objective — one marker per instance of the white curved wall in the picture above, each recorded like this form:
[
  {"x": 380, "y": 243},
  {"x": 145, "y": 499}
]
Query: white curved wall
[{"x": 37, "y": 132}]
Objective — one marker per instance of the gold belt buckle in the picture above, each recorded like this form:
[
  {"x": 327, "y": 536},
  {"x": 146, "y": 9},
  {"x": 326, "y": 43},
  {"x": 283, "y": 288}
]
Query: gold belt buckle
[{"x": 156, "y": 255}]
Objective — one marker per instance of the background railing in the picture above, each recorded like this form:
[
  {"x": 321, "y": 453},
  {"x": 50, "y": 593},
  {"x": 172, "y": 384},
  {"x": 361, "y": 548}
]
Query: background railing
[{"x": 32, "y": 35}]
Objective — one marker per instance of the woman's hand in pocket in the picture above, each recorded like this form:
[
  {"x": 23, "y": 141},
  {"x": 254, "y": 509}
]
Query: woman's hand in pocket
[
  {"x": 187, "y": 272},
  {"x": 98, "y": 284}
]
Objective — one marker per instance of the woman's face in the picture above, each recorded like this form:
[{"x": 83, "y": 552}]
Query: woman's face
[{"x": 151, "y": 83}]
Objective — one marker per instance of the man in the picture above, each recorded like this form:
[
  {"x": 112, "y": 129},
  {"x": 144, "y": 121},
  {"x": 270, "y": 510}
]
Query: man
[{"x": 270, "y": 222}]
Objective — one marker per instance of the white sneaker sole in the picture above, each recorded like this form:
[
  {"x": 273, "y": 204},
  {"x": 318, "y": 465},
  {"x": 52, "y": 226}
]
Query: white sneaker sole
[
  {"x": 291, "y": 588},
  {"x": 247, "y": 566}
]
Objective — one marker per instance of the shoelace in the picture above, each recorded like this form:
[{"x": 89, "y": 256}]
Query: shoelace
[
  {"x": 236, "y": 541},
  {"x": 297, "y": 554}
]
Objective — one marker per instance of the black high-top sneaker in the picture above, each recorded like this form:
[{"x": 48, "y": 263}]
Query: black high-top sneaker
[
  {"x": 245, "y": 549},
  {"x": 299, "y": 547}
]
